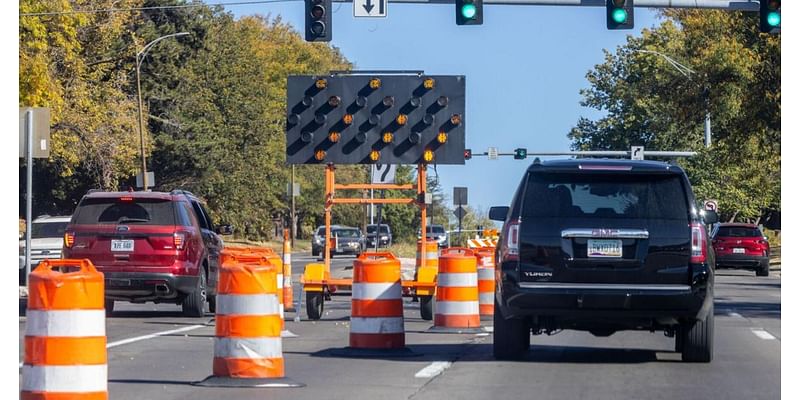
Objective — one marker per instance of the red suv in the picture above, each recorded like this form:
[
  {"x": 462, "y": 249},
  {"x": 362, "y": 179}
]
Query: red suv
[
  {"x": 741, "y": 245},
  {"x": 151, "y": 247}
]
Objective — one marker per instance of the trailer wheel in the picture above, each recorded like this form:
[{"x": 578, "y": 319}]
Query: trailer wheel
[
  {"x": 314, "y": 305},
  {"x": 426, "y": 307}
]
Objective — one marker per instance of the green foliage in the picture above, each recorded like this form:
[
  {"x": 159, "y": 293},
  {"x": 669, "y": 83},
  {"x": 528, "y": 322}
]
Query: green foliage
[{"x": 649, "y": 102}]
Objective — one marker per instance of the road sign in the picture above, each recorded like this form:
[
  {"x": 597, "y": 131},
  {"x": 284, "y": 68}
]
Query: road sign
[
  {"x": 151, "y": 179},
  {"x": 492, "y": 153},
  {"x": 375, "y": 119},
  {"x": 383, "y": 173},
  {"x": 460, "y": 212},
  {"x": 41, "y": 131},
  {"x": 370, "y": 8},
  {"x": 710, "y": 205},
  {"x": 295, "y": 189},
  {"x": 459, "y": 196},
  {"x": 637, "y": 152}
]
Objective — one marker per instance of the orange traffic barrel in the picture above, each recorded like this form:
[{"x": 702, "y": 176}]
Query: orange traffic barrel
[
  {"x": 248, "y": 349},
  {"x": 431, "y": 254},
  {"x": 252, "y": 255},
  {"x": 485, "y": 258},
  {"x": 457, "y": 290},
  {"x": 288, "y": 291},
  {"x": 376, "y": 320},
  {"x": 65, "y": 333}
]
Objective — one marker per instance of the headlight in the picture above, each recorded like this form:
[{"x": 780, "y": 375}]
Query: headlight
[{"x": 384, "y": 238}]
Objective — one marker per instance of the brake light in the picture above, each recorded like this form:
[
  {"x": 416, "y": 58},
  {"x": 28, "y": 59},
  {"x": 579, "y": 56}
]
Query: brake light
[
  {"x": 179, "y": 240},
  {"x": 69, "y": 239},
  {"x": 510, "y": 249},
  {"x": 699, "y": 252},
  {"x": 126, "y": 198}
]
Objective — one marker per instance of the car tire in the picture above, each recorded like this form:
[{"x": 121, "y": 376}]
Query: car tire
[
  {"x": 194, "y": 304},
  {"x": 512, "y": 337},
  {"x": 315, "y": 304},
  {"x": 697, "y": 340},
  {"x": 426, "y": 307},
  {"x": 212, "y": 304},
  {"x": 764, "y": 270},
  {"x": 109, "y": 306},
  {"x": 314, "y": 252}
]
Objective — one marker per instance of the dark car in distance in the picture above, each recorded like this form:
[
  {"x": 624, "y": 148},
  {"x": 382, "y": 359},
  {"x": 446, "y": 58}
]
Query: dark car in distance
[
  {"x": 150, "y": 246},
  {"x": 382, "y": 236},
  {"x": 346, "y": 240},
  {"x": 741, "y": 246},
  {"x": 603, "y": 246}
]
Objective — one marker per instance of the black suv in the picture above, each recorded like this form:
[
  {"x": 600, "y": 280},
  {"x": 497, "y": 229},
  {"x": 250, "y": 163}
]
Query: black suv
[{"x": 603, "y": 246}]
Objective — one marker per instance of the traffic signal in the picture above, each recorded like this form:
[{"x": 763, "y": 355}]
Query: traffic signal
[
  {"x": 770, "y": 16},
  {"x": 318, "y": 20},
  {"x": 520, "y": 154},
  {"x": 619, "y": 14},
  {"x": 469, "y": 12},
  {"x": 467, "y": 154}
]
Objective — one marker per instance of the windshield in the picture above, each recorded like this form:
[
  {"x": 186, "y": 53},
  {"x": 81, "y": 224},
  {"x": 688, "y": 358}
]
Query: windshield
[
  {"x": 48, "y": 229},
  {"x": 346, "y": 233},
  {"x": 373, "y": 228}
]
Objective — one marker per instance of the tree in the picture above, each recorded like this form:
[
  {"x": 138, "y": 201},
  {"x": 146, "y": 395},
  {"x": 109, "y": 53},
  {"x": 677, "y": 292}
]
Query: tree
[{"x": 736, "y": 76}]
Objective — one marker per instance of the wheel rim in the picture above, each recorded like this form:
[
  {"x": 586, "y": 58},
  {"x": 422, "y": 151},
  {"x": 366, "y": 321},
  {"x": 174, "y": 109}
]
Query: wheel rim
[{"x": 203, "y": 288}]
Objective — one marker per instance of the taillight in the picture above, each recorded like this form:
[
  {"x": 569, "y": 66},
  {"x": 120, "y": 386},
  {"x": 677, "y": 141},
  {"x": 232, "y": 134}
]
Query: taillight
[
  {"x": 179, "y": 240},
  {"x": 510, "y": 249},
  {"x": 69, "y": 239},
  {"x": 698, "y": 243}
]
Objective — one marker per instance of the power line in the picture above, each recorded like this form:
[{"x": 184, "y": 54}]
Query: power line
[{"x": 237, "y": 3}]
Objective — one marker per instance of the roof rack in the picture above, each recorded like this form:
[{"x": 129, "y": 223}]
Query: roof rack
[
  {"x": 93, "y": 191},
  {"x": 181, "y": 191}
]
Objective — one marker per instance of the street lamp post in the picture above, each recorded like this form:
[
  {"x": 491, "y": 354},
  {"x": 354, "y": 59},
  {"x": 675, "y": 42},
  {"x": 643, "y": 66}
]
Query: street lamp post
[
  {"x": 686, "y": 71},
  {"x": 139, "y": 58}
]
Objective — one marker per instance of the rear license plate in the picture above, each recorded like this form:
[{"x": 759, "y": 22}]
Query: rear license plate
[
  {"x": 118, "y": 282},
  {"x": 604, "y": 248},
  {"x": 122, "y": 245},
  {"x": 738, "y": 250}
]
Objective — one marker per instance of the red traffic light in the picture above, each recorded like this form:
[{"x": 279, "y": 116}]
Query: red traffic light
[{"x": 467, "y": 154}]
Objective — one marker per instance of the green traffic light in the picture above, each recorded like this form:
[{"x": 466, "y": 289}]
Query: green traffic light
[
  {"x": 468, "y": 11},
  {"x": 619, "y": 15},
  {"x": 774, "y": 19}
]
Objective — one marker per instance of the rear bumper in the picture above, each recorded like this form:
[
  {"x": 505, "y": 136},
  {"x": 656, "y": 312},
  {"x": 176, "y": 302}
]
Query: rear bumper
[
  {"x": 141, "y": 287},
  {"x": 741, "y": 261},
  {"x": 611, "y": 301}
]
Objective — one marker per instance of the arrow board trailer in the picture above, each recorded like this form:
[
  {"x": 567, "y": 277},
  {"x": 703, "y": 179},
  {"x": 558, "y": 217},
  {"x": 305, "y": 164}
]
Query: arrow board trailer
[{"x": 370, "y": 8}]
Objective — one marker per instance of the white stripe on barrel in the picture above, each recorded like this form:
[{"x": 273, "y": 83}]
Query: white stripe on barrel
[
  {"x": 377, "y": 291},
  {"x": 65, "y": 323},
  {"x": 457, "y": 307},
  {"x": 462, "y": 279},
  {"x": 247, "y": 304},
  {"x": 485, "y": 274},
  {"x": 376, "y": 325},
  {"x": 65, "y": 379},
  {"x": 263, "y": 347},
  {"x": 486, "y": 298}
]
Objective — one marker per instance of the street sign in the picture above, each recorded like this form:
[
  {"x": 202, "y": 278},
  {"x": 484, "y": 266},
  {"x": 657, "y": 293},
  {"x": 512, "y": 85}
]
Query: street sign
[
  {"x": 151, "y": 179},
  {"x": 459, "y": 196},
  {"x": 370, "y": 8},
  {"x": 383, "y": 173},
  {"x": 295, "y": 191},
  {"x": 637, "y": 152},
  {"x": 493, "y": 153},
  {"x": 41, "y": 131},
  {"x": 710, "y": 205},
  {"x": 375, "y": 119},
  {"x": 460, "y": 212}
]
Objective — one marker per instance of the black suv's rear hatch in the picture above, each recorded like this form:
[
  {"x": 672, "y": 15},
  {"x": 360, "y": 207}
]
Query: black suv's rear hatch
[{"x": 605, "y": 227}]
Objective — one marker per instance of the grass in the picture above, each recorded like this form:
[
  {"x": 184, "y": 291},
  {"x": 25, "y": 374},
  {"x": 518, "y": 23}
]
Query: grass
[{"x": 277, "y": 245}]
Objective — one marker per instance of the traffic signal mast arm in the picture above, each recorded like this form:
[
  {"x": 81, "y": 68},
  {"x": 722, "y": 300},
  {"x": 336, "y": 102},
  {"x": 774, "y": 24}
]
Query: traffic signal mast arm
[
  {"x": 708, "y": 4},
  {"x": 599, "y": 153}
]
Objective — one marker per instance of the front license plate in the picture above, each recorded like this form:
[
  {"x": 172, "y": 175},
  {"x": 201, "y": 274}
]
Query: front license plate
[
  {"x": 738, "y": 250},
  {"x": 604, "y": 248},
  {"x": 122, "y": 245}
]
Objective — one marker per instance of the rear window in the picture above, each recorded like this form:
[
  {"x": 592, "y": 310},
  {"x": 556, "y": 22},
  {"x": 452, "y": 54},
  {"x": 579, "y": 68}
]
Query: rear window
[
  {"x": 41, "y": 230},
  {"x": 738, "y": 231},
  {"x": 605, "y": 196},
  {"x": 373, "y": 228},
  {"x": 116, "y": 211}
]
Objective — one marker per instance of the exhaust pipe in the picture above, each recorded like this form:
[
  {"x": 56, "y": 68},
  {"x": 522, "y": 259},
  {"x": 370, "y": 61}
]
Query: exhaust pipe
[{"x": 162, "y": 289}]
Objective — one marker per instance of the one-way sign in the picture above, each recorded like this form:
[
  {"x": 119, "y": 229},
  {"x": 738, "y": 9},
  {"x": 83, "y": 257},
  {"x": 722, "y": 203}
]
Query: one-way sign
[{"x": 370, "y": 8}]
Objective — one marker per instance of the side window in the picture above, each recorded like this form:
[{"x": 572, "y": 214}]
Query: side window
[
  {"x": 185, "y": 215},
  {"x": 207, "y": 217},
  {"x": 201, "y": 216}
]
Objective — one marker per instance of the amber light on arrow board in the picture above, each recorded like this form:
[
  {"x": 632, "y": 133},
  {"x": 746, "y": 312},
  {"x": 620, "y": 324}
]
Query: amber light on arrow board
[
  {"x": 441, "y": 137},
  {"x": 321, "y": 83},
  {"x": 388, "y": 137},
  {"x": 374, "y": 155},
  {"x": 334, "y": 137},
  {"x": 402, "y": 119},
  {"x": 427, "y": 156},
  {"x": 374, "y": 83},
  {"x": 347, "y": 119},
  {"x": 320, "y": 155}
]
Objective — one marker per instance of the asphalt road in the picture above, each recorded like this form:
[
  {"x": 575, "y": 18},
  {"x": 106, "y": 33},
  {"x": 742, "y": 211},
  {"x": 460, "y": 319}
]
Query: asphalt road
[{"x": 154, "y": 353}]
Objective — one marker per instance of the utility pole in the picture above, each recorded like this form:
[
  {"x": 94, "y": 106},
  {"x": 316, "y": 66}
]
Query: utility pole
[{"x": 293, "y": 223}]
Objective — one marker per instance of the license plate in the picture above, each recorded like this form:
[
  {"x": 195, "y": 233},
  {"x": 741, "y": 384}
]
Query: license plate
[
  {"x": 738, "y": 250},
  {"x": 122, "y": 245},
  {"x": 118, "y": 282},
  {"x": 604, "y": 248}
]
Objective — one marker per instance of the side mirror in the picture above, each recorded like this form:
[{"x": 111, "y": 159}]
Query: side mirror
[
  {"x": 498, "y": 213},
  {"x": 225, "y": 230},
  {"x": 710, "y": 217}
]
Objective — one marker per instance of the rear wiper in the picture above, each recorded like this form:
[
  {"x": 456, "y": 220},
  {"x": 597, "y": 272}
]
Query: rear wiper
[{"x": 126, "y": 219}]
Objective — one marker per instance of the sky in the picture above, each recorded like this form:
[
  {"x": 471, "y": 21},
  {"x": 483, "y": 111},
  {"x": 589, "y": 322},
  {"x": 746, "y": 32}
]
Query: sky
[{"x": 524, "y": 68}]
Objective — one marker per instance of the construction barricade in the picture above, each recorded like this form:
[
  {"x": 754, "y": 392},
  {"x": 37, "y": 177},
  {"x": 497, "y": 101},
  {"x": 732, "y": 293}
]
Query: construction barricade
[
  {"x": 247, "y": 341},
  {"x": 288, "y": 291},
  {"x": 426, "y": 273},
  {"x": 456, "y": 308},
  {"x": 65, "y": 333},
  {"x": 486, "y": 282}
]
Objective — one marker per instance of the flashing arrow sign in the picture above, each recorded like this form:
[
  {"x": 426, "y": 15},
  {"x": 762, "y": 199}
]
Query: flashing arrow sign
[{"x": 365, "y": 8}]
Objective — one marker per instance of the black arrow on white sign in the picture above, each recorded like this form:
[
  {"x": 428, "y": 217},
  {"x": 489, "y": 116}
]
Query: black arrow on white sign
[{"x": 369, "y": 6}]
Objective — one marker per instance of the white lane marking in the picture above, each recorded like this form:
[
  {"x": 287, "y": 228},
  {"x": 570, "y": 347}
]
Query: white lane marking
[
  {"x": 734, "y": 315},
  {"x": 153, "y": 335},
  {"x": 481, "y": 334},
  {"x": 436, "y": 368},
  {"x": 762, "y": 334}
]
